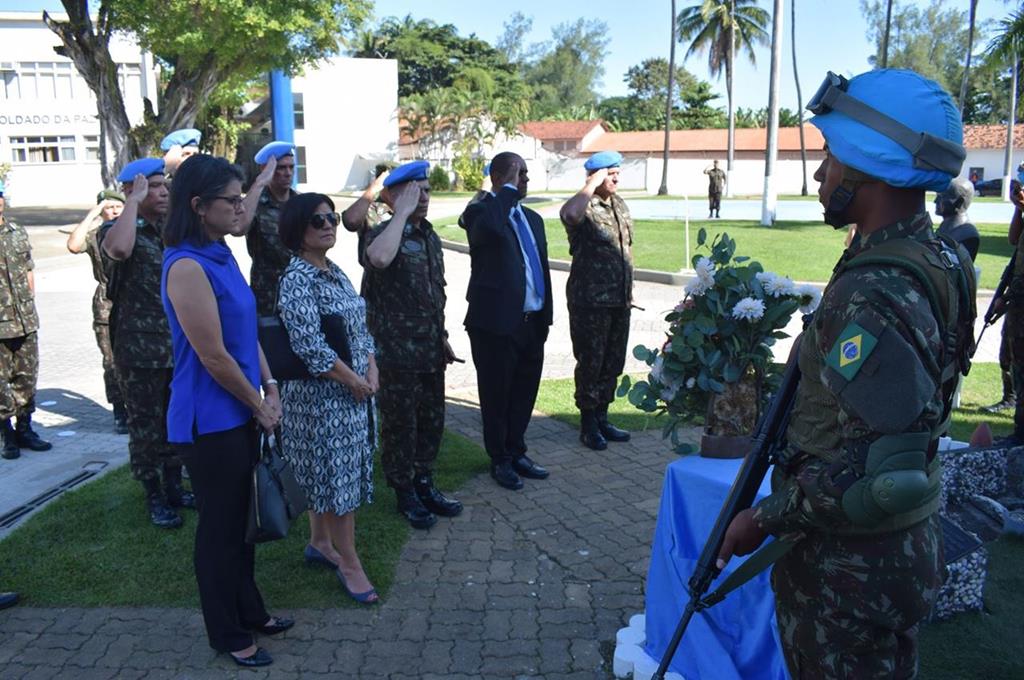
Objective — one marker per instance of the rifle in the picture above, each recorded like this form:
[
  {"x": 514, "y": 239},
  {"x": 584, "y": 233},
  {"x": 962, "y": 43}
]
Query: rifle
[
  {"x": 991, "y": 316},
  {"x": 767, "y": 440}
]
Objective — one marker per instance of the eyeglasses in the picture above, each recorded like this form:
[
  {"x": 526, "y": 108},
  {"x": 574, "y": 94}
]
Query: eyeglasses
[
  {"x": 928, "y": 151},
  {"x": 235, "y": 201},
  {"x": 321, "y": 220}
]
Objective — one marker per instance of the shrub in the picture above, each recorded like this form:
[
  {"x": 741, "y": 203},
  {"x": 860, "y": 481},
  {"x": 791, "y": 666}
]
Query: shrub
[{"x": 439, "y": 180}]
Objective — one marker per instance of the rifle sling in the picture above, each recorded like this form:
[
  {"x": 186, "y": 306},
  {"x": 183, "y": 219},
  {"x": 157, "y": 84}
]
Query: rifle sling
[{"x": 765, "y": 557}]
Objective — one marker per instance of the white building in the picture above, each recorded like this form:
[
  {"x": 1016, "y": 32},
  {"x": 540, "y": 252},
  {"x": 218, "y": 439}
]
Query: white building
[
  {"x": 346, "y": 116},
  {"x": 49, "y": 132}
]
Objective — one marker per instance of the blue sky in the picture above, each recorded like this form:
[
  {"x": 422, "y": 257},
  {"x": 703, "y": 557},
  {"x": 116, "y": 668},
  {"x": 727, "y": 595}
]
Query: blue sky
[{"x": 830, "y": 36}]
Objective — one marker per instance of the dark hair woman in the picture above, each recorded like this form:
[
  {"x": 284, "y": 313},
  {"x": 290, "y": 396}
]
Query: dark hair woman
[
  {"x": 327, "y": 433},
  {"x": 215, "y": 397}
]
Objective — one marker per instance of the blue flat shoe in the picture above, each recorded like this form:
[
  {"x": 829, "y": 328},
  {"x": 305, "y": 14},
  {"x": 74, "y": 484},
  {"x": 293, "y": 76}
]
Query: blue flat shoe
[
  {"x": 314, "y": 556},
  {"x": 370, "y": 597}
]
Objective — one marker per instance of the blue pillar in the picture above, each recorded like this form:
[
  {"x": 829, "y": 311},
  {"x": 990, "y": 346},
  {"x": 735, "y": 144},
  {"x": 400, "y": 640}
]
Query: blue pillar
[{"x": 282, "y": 110}]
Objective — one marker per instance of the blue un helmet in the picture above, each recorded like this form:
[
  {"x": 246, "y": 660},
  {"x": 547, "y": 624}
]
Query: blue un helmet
[{"x": 890, "y": 125}]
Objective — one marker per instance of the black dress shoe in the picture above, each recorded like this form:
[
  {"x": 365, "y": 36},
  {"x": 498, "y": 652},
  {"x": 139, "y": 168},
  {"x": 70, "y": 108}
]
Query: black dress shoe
[
  {"x": 612, "y": 433},
  {"x": 506, "y": 476},
  {"x": 278, "y": 624},
  {"x": 176, "y": 494},
  {"x": 409, "y": 505},
  {"x": 27, "y": 437},
  {"x": 527, "y": 468},
  {"x": 10, "y": 449},
  {"x": 259, "y": 658},
  {"x": 160, "y": 514},
  {"x": 433, "y": 500},
  {"x": 590, "y": 431}
]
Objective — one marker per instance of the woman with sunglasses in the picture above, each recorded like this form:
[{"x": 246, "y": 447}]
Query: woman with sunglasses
[
  {"x": 215, "y": 397},
  {"x": 327, "y": 435}
]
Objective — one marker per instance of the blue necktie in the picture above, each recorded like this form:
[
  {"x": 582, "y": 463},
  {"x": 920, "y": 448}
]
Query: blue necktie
[{"x": 526, "y": 241}]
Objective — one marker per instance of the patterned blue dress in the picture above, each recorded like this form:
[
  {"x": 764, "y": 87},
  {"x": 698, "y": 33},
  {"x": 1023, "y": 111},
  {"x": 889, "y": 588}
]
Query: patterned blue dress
[{"x": 324, "y": 429}]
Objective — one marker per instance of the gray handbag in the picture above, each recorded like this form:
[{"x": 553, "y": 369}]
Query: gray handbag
[{"x": 276, "y": 499}]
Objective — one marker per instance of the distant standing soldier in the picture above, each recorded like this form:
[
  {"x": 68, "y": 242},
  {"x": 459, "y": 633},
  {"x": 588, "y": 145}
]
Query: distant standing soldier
[
  {"x": 599, "y": 293},
  {"x": 716, "y": 184},
  {"x": 83, "y": 239},
  {"x": 855, "y": 492},
  {"x": 405, "y": 299},
  {"x": 133, "y": 251},
  {"x": 270, "y": 192},
  {"x": 19, "y": 339}
]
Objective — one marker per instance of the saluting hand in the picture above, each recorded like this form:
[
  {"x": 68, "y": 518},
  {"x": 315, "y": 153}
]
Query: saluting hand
[
  {"x": 598, "y": 178},
  {"x": 378, "y": 182},
  {"x": 406, "y": 197},
  {"x": 267, "y": 173},
  {"x": 140, "y": 188}
]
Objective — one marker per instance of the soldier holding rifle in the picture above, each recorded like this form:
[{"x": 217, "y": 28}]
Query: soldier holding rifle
[
  {"x": 856, "y": 485},
  {"x": 1009, "y": 300}
]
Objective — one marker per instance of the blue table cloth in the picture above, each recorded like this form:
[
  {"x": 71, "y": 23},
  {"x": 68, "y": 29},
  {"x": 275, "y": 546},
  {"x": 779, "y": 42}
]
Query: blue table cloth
[{"x": 737, "y": 638}]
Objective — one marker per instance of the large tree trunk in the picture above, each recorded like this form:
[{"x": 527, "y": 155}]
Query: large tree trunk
[
  {"x": 1010, "y": 125},
  {"x": 967, "y": 62},
  {"x": 731, "y": 137},
  {"x": 799, "y": 99},
  {"x": 769, "y": 196},
  {"x": 663, "y": 189},
  {"x": 885, "y": 35},
  {"x": 88, "y": 48}
]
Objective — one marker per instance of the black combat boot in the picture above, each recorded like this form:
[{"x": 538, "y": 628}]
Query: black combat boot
[
  {"x": 590, "y": 433},
  {"x": 433, "y": 500},
  {"x": 27, "y": 437},
  {"x": 10, "y": 450},
  {"x": 610, "y": 432},
  {"x": 120, "y": 419},
  {"x": 409, "y": 505},
  {"x": 177, "y": 496},
  {"x": 160, "y": 514}
]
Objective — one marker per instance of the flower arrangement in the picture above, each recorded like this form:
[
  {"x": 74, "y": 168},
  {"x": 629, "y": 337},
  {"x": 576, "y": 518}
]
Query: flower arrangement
[{"x": 720, "y": 334}]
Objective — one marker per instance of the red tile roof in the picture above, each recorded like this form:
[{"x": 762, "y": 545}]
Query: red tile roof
[
  {"x": 715, "y": 140},
  {"x": 548, "y": 130},
  {"x": 992, "y": 136}
]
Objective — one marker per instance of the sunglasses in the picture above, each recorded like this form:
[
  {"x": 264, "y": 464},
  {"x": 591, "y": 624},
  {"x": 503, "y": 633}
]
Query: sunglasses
[{"x": 321, "y": 220}]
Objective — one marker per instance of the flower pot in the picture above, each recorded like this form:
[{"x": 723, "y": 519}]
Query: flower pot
[{"x": 731, "y": 418}]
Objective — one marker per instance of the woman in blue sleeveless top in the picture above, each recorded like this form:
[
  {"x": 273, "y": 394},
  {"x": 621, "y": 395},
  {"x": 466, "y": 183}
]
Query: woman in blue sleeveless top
[{"x": 215, "y": 397}]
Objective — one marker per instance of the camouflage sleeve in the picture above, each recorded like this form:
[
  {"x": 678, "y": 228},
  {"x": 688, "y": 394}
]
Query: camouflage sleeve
[
  {"x": 25, "y": 248},
  {"x": 1016, "y": 285},
  {"x": 300, "y": 315},
  {"x": 877, "y": 343}
]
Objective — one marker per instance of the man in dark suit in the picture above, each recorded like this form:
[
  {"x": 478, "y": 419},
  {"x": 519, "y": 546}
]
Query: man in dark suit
[{"x": 509, "y": 314}]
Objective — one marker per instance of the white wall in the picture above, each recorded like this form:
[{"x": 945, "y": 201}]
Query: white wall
[
  {"x": 351, "y": 121},
  {"x": 56, "y": 103}
]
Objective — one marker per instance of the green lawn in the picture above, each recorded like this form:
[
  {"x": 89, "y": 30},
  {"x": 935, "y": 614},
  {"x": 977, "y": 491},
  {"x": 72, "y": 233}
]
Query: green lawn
[
  {"x": 94, "y": 547},
  {"x": 804, "y": 251}
]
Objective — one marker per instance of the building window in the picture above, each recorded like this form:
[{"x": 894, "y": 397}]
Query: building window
[
  {"x": 300, "y": 111},
  {"x": 300, "y": 164},
  {"x": 130, "y": 78},
  {"x": 8, "y": 81},
  {"x": 92, "y": 147},
  {"x": 42, "y": 149}
]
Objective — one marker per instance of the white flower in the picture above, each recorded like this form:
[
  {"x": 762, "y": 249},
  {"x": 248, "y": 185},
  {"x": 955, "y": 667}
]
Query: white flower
[
  {"x": 669, "y": 393},
  {"x": 809, "y": 296},
  {"x": 705, "y": 270},
  {"x": 779, "y": 286},
  {"x": 698, "y": 287},
  {"x": 749, "y": 309},
  {"x": 658, "y": 368},
  {"x": 690, "y": 382},
  {"x": 765, "y": 278}
]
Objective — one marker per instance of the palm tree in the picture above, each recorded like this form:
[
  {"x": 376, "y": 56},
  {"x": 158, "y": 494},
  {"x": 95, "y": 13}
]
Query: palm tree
[
  {"x": 663, "y": 189},
  {"x": 769, "y": 195},
  {"x": 717, "y": 25},
  {"x": 885, "y": 36},
  {"x": 970, "y": 47},
  {"x": 799, "y": 99},
  {"x": 1002, "y": 51}
]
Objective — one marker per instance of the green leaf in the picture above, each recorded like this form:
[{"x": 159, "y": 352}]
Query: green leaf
[
  {"x": 686, "y": 449},
  {"x": 731, "y": 372},
  {"x": 640, "y": 353},
  {"x": 715, "y": 386},
  {"x": 702, "y": 236},
  {"x": 623, "y": 386}
]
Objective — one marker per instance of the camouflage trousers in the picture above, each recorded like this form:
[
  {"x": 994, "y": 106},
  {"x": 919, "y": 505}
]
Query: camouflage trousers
[
  {"x": 19, "y": 370},
  {"x": 848, "y": 607},
  {"x": 714, "y": 202},
  {"x": 1006, "y": 367},
  {"x": 599, "y": 337},
  {"x": 1016, "y": 357},
  {"x": 110, "y": 381},
  {"x": 411, "y": 424},
  {"x": 146, "y": 393}
]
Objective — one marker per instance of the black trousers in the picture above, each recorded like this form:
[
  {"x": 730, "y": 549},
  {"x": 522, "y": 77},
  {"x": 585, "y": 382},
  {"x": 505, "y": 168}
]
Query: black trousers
[
  {"x": 508, "y": 369},
  {"x": 220, "y": 467}
]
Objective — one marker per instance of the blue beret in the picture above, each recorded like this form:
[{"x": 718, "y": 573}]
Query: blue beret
[
  {"x": 414, "y": 170},
  {"x": 143, "y": 166},
  {"x": 603, "y": 159},
  {"x": 275, "y": 149},
  {"x": 183, "y": 137},
  {"x": 487, "y": 169}
]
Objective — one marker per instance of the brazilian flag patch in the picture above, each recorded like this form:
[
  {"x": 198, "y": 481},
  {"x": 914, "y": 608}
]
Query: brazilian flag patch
[{"x": 851, "y": 349}]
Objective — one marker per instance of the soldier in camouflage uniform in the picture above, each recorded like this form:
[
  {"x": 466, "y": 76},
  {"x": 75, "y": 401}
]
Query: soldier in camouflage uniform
[
  {"x": 19, "y": 339},
  {"x": 599, "y": 293},
  {"x": 83, "y": 239},
  {"x": 132, "y": 248},
  {"x": 405, "y": 299},
  {"x": 855, "y": 493},
  {"x": 716, "y": 185},
  {"x": 1012, "y": 303},
  {"x": 269, "y": 256}
]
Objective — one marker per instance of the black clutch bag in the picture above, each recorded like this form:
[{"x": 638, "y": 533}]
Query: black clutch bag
[{"x": 284, "y": 363}]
